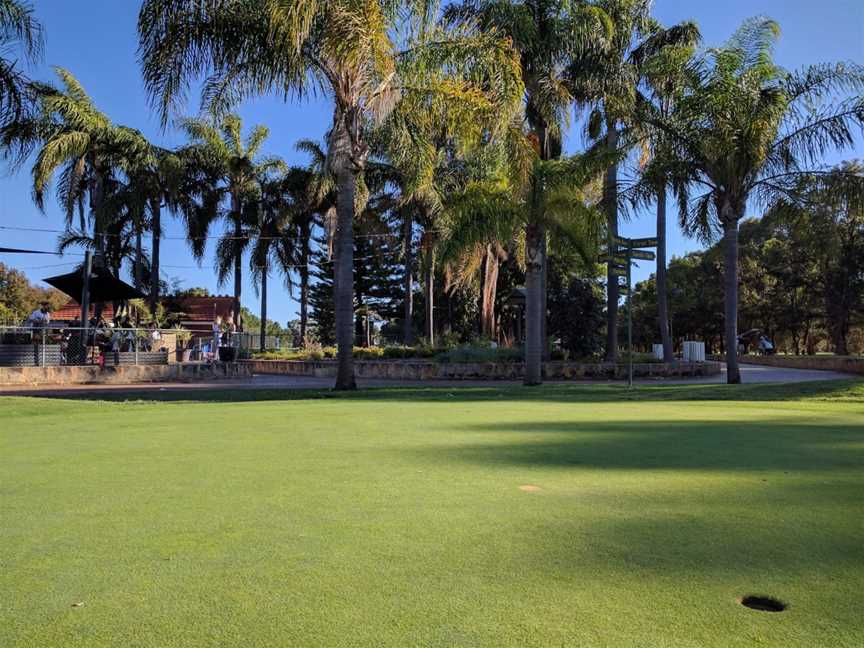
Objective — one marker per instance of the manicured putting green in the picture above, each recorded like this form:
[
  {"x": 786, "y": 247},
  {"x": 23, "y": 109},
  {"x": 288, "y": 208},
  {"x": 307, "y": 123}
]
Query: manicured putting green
[{"x": 558, "y": 516}]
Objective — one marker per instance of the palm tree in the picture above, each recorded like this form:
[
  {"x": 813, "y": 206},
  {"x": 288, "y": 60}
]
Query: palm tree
[
  {"x": 19, "y": 32},
  {"x": 743, "y": 129},
  {"x": 232, "y": 169},
  {"x": 275, "y": 238},
  {"x": 550, "y": 36},
  {"x": 660, "y": 62},
  {"x": 554, "y": 197},
  {"x": 77, "y": 142},
  {"x": 608, "y": 80},
  {"x": 346, "y": 49},
  {"x": 153, "y": 178}
]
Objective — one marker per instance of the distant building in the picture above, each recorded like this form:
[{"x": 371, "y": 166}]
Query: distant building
[{"x": 196, "y": 314}]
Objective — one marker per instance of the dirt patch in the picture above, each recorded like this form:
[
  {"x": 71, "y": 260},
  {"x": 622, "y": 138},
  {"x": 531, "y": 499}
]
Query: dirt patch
[
  {"x": 530, "y": 488},
  {"x": 762, "y": 603}
]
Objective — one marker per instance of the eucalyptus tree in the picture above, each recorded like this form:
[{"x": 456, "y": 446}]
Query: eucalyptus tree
[
  {"x": 76, "y": 142},
  {"x": 744, "y": 131},
  {"x": 20, "y": 33},
  {"x": 364, "y": 55},
  {"x": 232, "y": 168},
  {"x": 550, "y": 36}
]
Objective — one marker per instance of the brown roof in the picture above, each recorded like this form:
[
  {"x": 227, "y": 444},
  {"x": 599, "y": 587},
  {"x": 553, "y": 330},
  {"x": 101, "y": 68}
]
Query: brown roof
[
  {"x": 199, "y": 313},
  {"x": 71, "y": 310}
]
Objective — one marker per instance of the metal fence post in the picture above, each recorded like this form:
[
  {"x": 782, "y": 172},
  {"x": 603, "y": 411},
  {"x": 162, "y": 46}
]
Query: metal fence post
[
  {"x": 43, "y": 346},
  {"x": 136, "y": 346}
]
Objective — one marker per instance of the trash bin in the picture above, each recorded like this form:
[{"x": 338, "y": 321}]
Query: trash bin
[{"x": 227, "y": 354}]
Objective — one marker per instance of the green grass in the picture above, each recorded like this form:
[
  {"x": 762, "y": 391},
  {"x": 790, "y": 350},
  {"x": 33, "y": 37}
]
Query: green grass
[{"x": 395, "y": 518}]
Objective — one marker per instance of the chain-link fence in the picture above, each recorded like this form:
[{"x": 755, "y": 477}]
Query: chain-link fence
[{"x": 46, "y": 346}]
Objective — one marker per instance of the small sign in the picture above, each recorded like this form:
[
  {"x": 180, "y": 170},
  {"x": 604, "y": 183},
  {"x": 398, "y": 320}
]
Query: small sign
[
  {"x": 643, "y": 242},
  {"x": 643, "y": 254},
  {"x": 619, "y": 272},
  {"x": 620, "y": 241},
  {"x": 606, "y": 258}
]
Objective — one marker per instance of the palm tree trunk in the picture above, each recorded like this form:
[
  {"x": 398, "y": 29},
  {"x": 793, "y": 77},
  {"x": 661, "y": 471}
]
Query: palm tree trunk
[
  {"x": 264, "y": 271},
  {"x": 96, "y": 199},
  {"x": 662, "y": 298},
  {"x": 533, "y": 305},
  {"x": 544, "y": 310},
  {"x": 429, "y": 287},
  {"x": 343, "y": 288},
  {"x": 491, "y": 266},
  {"x": 610, "y": 201},
  {"x": 304, "y": 282},
  {"x": 730, "y": 283},
  {"x": 238, "y": 262},
  {"x": 139, "y": 255},
  {"x": 408, "y": 282},
  {"x": 156, "y": 228}
]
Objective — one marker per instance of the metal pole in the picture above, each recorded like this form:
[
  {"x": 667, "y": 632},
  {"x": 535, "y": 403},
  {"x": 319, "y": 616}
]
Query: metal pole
[
  {"x": 85, "y": 304},
  {"x": 629, "y": 319},
  {"x": 43, "y": 346}
]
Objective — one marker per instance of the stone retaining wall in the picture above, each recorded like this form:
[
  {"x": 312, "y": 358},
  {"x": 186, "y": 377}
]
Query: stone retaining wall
[
  {"x": 843, "y": 364},
  {"x": 429, "y": 370},
  {"x": 123, "y": 374}
]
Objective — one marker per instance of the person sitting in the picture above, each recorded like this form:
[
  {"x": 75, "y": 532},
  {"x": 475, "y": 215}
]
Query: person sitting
[{"x": 765, "y": 346}]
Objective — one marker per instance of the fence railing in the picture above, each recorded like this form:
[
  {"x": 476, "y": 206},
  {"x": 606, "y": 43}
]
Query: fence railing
[{"x": 46, "y": 346}]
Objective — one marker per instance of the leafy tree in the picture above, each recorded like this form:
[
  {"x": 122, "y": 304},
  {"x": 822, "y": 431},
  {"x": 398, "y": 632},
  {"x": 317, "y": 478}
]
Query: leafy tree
[
  {"x": 741, "y": 128},
  {"x": 19, "y": 298}
]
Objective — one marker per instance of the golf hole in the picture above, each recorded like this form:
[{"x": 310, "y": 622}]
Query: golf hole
[
  {"x": 530, "y": 488},
  {"x": 762, "y": 603}
]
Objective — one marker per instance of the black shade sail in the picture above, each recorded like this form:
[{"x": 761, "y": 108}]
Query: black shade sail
[{"x": 104, "y": 287}]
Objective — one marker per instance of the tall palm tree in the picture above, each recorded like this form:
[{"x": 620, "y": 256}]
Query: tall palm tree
[
  {"x": 20, "y": 32},
  {"x": 743, "y": 131},
  {"x": 153, "y": 179},
  {"x": 233, "y": 168},
  {"x": 550, "y": 36},
  {"x": 608, "y": 81},
  {"x": 275, "y": 238},
  {"x": 345, "y": 48},
  {"x": 80, "y": 145},
  {"x": 660, "y": 63}
]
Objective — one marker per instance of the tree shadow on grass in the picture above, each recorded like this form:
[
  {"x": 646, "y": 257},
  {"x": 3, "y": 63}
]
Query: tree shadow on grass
[
  {"x": 851, "y": 391},
  {"x": 786, "y": 445}
]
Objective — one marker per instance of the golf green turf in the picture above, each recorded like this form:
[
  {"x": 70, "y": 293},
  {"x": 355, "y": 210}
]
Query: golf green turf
[{"x": 396, "y": 518}]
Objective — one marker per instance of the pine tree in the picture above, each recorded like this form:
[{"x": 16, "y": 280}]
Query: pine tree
[{"x": 321, "y": 293}]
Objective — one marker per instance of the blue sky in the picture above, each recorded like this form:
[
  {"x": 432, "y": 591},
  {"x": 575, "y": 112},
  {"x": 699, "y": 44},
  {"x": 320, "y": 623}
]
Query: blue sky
[{"x": 96, "y": 40}]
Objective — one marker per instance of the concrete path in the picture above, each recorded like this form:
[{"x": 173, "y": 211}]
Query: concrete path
[{"x": 750, "y": 374}]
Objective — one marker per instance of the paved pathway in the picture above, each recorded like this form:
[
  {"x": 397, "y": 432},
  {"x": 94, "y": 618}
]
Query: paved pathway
[{"x": 750, "y": 374}]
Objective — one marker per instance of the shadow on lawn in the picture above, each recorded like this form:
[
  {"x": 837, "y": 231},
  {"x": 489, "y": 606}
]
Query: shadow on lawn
[
  {"x": 843, "y": 390},
  {"x": 776, "y": 445}
]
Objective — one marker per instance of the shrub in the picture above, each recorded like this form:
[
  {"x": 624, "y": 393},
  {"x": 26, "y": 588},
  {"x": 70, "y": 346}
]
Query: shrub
[{"x": 467, "y": 353}]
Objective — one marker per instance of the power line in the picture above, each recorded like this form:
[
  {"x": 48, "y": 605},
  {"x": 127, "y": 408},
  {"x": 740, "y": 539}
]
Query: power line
[{"x": 248, "y": 237}]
